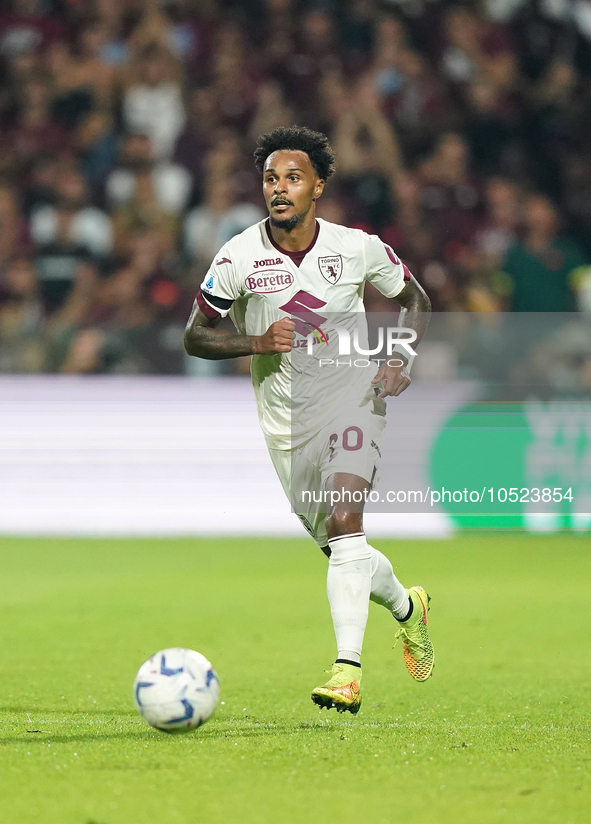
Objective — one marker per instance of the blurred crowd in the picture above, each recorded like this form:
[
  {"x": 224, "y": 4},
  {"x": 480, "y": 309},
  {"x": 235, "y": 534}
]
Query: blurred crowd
[{"x": 126, "y": 137}]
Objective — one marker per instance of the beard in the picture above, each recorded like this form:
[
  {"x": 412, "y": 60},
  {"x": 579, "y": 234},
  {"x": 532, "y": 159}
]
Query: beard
[{"x": 290, "y": 223}]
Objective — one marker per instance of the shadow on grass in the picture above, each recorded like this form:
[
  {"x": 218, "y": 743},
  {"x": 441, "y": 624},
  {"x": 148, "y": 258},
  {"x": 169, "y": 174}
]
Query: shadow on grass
[
  {"x": 210, "y": 732},
  {"x": 49, "y": 738},
  {"x": 41, "y": 711},
  {"x": 258, "y": 729}
]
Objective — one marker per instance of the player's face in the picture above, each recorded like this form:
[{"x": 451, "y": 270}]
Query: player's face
[{"x": 290, "y": 185}]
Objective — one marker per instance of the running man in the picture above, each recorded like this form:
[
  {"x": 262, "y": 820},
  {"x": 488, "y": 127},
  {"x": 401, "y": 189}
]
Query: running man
[{"x": 278, "y": 280}]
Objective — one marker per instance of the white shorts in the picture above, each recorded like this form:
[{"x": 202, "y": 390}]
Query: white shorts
[{"x": 351, "y": 444}]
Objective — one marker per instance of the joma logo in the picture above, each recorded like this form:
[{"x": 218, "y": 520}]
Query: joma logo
[{"x": 270, "y": 262}]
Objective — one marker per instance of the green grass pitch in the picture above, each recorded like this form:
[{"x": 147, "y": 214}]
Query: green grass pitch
[{"x": 500, "y": 733}]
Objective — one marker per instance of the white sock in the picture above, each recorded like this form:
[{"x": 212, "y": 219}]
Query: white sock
[
  {"x": 386, "y": 589},
  {"x": 348, "y": 586}
]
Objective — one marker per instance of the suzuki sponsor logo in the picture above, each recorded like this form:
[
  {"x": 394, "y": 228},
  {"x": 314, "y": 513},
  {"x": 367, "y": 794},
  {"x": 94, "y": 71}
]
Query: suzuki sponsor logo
[{"x": 268, "y": 281}]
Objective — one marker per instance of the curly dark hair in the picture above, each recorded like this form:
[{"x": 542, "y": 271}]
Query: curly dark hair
[{"x": 297, "y": 138}]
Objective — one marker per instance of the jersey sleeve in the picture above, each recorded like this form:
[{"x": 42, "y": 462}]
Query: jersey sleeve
[
  {"x": 220, "y": 287},
  {"x": 383, "y": 267}
]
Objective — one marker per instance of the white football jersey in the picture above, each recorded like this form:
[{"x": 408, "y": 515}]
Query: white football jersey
[{"x": 258, "y": 283}]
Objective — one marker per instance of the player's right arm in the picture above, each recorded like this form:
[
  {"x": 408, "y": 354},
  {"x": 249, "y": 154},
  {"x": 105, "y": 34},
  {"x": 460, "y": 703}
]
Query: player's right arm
[
  {"x": 221, "y": 286},
  {"x": 204, "y": 340}
]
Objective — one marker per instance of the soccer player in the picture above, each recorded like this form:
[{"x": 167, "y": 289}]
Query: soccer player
[{"x": 278, "y": 280}]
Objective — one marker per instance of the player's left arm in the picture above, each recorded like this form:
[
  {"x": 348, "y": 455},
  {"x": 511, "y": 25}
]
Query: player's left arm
[{"x": 415, "y": 313}]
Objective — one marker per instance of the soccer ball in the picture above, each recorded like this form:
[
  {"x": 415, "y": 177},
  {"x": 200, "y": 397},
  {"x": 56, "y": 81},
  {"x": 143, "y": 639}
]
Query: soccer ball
[{"x": 176, "y": 690}]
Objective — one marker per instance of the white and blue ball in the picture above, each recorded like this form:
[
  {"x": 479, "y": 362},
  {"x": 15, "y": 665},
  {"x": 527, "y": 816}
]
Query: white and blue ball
[{"x": 176, "y": 690}]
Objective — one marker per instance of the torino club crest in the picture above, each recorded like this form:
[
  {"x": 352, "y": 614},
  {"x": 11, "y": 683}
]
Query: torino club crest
[{"x": 331, "y": 268}]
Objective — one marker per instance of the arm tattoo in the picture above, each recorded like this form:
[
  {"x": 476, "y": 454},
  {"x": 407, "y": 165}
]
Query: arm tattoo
[
  {"x": 203, "y": 340},
  {"x": 415, "y": 308}
]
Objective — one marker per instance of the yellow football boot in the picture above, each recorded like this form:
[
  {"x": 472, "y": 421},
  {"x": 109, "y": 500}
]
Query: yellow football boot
[
  {"x": 342, "y": 690},
  {"x": 417, "y": 648}
]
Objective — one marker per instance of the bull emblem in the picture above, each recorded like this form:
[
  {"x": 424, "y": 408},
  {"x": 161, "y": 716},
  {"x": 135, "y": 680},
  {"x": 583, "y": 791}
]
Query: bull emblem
[{"x": 331, "y": 268}]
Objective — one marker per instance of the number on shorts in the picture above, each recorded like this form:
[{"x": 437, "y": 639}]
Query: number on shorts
[
  {"x": 331, "y": 448},
  {"x": 348, "y": 446}
]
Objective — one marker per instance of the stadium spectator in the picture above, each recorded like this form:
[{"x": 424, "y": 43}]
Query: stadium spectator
[
  {"x": 15, "y": 71},
  {"x": 308, "y": 58},
  {"x": 234, "y": 79},
  {"x": 75, "y": 308},
  {"x": 493, "y": 126},
  {"x": 143, "y": 212},
  {"x": 35, "y": 131},
  {"x": 366, "y": 145},
  {"x": 126, "y": 307},
  {"x": 203, "y": 123},
  {"x": 215, "y": 221},
  {"x": 13, "y": 229},
  {"x": 72, "y": 217},
  {"x": 476, "y": 48},
  {"x": 152, "y": 101},
  {"x": 41, "y": 185},
  {"x": 417, "y": 238},
  {"x": 83, "y": 80},
  {"x": 170, "y": 183},
  {"x": 542, "y": 264},
  {"x": 451, "y": 193},
  {"x": 97, "y": 144},
  {"x": 226, "y": 158},
  {"x": 28, "y": 27},
  {"x": 409, "y": 93},
  {"x": 85, "y": 353},
  {"x": 577, "y": 177},
  {"x": 355, "y": 23},
  {"x": 271, "y": 110},
  {"x": 111, "y": 17},
  {"x": 477, "y": 266},
  {"x": 58, "y": 265},
  {"x": 22, "y": 347},
  {"x": 502, "y": 204}
]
